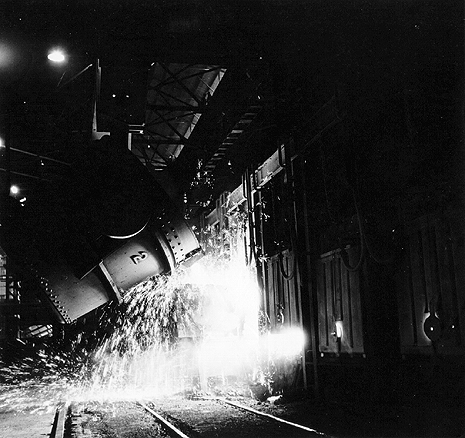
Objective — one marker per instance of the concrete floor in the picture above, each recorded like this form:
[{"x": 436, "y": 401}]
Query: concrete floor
[{"x": 25, "y": 424}]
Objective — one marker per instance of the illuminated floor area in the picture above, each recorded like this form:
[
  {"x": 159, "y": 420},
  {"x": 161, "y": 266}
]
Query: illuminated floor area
[
  {"x": 333, "y": 419},
  {"x": 25, "y": 425}
]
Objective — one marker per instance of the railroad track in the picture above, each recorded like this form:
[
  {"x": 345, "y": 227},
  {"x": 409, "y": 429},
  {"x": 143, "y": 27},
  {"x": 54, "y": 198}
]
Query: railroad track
[
  {"x": 58, "y": 425},
  {"x": 178, "y": 418}
]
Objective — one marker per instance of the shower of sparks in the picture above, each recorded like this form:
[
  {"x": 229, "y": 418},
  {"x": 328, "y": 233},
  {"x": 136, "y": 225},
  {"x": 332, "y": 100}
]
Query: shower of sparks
[
  {"x": 36, "y": 383},
  {"x": 142, "y": 352},
  {"x": 181, "y": 333},
  {"x": 193, "y": 331}
]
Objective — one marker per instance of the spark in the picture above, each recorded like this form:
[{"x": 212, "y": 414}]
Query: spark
[{"x": 197, "y": 330}]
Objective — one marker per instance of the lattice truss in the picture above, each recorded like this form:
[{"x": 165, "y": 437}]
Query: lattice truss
[{"x": 177, "y": 96}]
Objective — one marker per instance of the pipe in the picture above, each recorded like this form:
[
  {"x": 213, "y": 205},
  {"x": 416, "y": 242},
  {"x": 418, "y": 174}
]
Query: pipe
[{"x": 312, "y": 307}]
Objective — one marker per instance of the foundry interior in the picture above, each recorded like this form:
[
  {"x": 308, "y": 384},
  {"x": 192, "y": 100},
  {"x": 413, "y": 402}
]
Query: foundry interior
[{"x": 262, "y": 198}]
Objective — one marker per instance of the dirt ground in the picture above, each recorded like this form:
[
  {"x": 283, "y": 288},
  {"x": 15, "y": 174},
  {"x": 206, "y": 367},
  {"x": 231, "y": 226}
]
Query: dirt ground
[
  {"x": 340, "y": 420},
  {"x": 332, "y": 420}
]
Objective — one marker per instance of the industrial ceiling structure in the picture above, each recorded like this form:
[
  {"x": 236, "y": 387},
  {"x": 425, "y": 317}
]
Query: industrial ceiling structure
[
  {"x": 144, "y": 69},
  {"x": 205, "y": 88},
  {"x": 200, "y": 92}
]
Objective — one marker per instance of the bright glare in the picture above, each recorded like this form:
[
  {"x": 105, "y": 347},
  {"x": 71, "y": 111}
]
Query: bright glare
[
  {"x": 57, "y": 56},
  {"x": 14, "y": 190},
  {"x": 195, "y": 331},
  {"x": 287, "y": 342},
  {"x": 219, "y": 339}
]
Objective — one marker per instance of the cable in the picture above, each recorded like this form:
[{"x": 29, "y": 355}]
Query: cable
[
  {"x": 344, "y": 254},
  {"x": 287, "y": 276},
  {"x": 249, "y": 197},
  {"x": 290, "y": 201},
  {"x": 364, "y": 244}
]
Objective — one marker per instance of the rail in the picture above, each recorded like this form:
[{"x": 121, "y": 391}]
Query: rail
[
  {"x": 165, "y": 419},
  {"x": 58, "y": 426},
  {"x": 278, "y": 419}
]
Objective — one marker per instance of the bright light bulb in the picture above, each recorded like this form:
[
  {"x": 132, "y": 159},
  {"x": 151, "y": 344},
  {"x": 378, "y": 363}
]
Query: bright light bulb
[{"x": 57, "y": 56}]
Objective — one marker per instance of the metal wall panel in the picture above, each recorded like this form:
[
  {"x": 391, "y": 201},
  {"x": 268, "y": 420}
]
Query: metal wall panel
[
  {"x": 339, "y": 304},
  {"x": 282, "y": 296},
  {"x": 430, "y": 285}
]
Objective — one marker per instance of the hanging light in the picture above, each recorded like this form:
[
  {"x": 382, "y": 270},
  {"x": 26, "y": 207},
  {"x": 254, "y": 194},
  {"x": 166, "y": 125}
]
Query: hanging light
[{"x": 57, "y": 56}]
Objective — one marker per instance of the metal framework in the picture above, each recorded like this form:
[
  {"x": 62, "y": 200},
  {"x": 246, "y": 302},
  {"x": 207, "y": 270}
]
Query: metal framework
[
  {"x": 177, "y": 96},
  {"x": 232, "y": 137}
]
